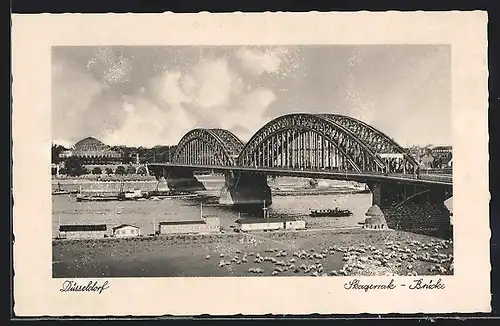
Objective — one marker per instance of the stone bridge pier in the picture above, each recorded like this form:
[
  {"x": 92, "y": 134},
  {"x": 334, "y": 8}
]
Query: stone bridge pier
[
  {"x": 178, "y": 179},
  {"x": 245, "y": 189},
  {"x": 418, "y": 209}
]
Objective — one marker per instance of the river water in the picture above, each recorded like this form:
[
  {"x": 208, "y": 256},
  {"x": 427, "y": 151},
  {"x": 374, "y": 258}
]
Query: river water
[{"x": 146, "y": 214}]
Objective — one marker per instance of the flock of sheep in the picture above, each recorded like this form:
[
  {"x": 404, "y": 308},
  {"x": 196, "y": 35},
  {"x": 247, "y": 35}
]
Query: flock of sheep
[{"x": 360, "y": 259}]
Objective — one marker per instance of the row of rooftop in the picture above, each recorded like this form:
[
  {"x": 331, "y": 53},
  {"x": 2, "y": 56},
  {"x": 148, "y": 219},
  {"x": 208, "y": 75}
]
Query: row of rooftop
[
  {"x": 90, "y": 231},
  {"x": 206, "y": 225}
]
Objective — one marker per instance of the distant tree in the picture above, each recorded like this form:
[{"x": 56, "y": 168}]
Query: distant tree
[
  {"x": 161, "y": 153},
  {"x": 109, "y": 171},
  {"x": 85, "y": 170},
  {"x": 147, "y": 156},
  {"x": 73, "y": 167},
  {"x": 56, "y": 150},
  {"x": 131, "y": 169},
  {"x": 96, "y": 170},
  {"x": 142, "y": 170},
  {"x": 126, "y": 159},
  {"x": 142, "y": 153},
  {"x": 120, "y": 170}
]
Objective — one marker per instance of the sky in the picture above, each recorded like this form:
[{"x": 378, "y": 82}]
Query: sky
[{"x": 153, "y": 95}]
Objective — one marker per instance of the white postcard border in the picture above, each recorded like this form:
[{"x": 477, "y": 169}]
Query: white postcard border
[{"x": 36, "y": 293}]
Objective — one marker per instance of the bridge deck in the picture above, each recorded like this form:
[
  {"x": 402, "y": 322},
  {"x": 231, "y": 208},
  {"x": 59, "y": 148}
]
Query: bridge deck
[{"x": 422, "y": 178}]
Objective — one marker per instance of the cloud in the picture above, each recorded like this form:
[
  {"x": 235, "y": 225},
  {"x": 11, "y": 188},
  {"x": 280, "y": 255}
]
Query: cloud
[
  {"x": 261, "y": 61},
  {"x": 150, "y": 97},
  {"x": 111, "y": 67},
  {"x": 211, "y": 83},
  {"x": 209, "y": 95},
  {"x": 73, "y": 90},
  {"x": 155, "y": 115},
  {"x": 212, "y": 93},
  {"x": 250, "y": 111},
  {"x": 146, "y": 124},
  {"x": 166, "y": 88}
]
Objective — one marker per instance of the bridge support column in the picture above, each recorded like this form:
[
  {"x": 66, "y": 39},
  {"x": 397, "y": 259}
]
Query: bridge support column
[
  {"x": 178, "y": 179},
  {"x": 245, "y": 189},
  {"x": 418, "y": 209}
]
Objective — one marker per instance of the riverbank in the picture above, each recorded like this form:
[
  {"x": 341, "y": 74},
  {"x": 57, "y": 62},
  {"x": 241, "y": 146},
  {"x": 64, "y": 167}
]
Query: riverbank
[
  {"x": 102, "y": 178},
  {"x": 316, "y": 191},
  {"x": 113, "y": 184},
  {"x": 118, "y": 178},
  {"x": 332, "y": 252}
]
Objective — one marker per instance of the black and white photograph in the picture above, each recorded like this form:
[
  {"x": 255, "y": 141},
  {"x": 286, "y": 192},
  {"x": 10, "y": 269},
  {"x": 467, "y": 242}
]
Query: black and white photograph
[
  {"x": 286, "y": 160},
  {"x": 250, "y": 164}
]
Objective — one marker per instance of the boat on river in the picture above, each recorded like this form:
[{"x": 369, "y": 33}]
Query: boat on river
[
  {"x": 167, "y": 194},
  {"x": 173, "y": 196},
  {"x": 130, "y": 194},
  {"x": 60, "y": 191},
  {"x": 135, "y": 195},
  {"x": 94, "y": 197},
  {"x": 81, "y": 198},
  {"x": 336, "y": 212}
]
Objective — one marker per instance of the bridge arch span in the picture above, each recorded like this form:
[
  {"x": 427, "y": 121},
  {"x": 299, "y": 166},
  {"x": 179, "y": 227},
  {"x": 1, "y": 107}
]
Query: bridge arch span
[
  {"x": 378, "y": 141},
  {"x": 308, "y": 141},
  {"x": 208, "y": 147}
]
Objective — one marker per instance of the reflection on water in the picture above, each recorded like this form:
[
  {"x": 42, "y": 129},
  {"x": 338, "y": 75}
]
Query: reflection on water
[{"x": 144, "y": 214}]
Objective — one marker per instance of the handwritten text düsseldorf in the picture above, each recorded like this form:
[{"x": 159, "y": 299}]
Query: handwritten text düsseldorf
[{"x": 91, "y": 286}]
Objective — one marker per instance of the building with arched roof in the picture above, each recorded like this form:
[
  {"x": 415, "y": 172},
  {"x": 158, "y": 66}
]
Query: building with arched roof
[{"x": 92, "y": 151}]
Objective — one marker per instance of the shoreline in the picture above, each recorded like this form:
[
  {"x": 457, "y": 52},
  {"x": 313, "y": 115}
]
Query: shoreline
[
  {"x": 346, "y": 252},
  {"x": 148, "y": 183},
  {"x": 300, "y": 192},
  {"x": 324, "y": 191},
  {"x": 211, "y": 234}
]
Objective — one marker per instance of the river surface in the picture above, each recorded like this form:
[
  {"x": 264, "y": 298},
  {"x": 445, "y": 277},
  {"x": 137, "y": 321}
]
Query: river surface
[{"x": 146, "y": 214}]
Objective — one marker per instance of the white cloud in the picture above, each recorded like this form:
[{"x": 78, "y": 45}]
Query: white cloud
[
  {"x": 213, "y": 83},
  {"x": 111, "y": 67},
  {"x": 207, "y": 91},
  {"x": 249, "y": 113},
  {"x": 73, "y": 90},
  {"x": 147, "y": 125},
  {"x": 172, "y": 103},
  {"x": 167, "y": 89},
  {"x": 261, "y": 61}
]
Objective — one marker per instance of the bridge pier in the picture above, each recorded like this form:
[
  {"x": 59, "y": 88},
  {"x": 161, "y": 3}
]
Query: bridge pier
[
  {"x": 245, "y": 189},
  {"x": 411, "y": 208},
  {"x": 179, "y": 179}
]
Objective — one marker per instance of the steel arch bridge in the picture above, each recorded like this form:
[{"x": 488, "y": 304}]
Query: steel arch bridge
[
  {"x": 208, "y": 147},
  {"x": 300, "y": 141}
]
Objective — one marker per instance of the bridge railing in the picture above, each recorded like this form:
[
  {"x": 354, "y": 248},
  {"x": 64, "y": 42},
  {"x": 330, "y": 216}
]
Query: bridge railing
[
  {"x": 448, "y": 171},
  {"x": 440, "y": 176},
  {"x": 420, "y": 176},
  {"x": 434, "y": 175}
]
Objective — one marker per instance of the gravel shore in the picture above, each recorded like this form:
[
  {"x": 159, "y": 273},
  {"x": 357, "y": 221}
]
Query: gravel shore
[{"x": 302, "y": 253}]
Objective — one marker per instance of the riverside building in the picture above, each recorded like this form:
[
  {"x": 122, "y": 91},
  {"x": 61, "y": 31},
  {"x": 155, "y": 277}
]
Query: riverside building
[
  {"x": 93, "y": 151},
  {"x": 82, "y": 231},
  {"x": 205, "y": 225}
]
